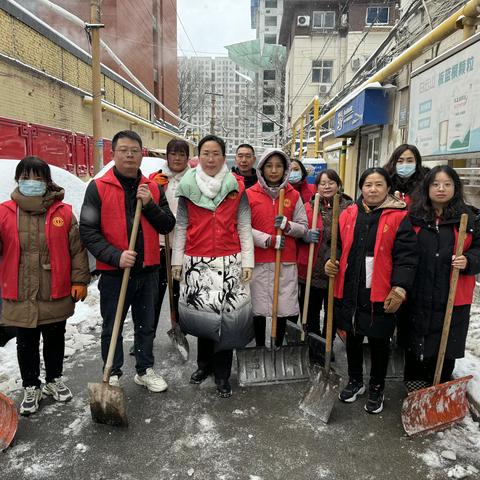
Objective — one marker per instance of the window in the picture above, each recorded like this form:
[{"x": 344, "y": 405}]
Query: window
[
  {"x": 267, "y": 127},
  {"x": 322, "y": 71},
  {"x": 268, "y": 92},
  {"x": 323, "y": 20},
  {"x": 269, "y": 109},
  {"x": 269, "y": 74},
  {"x": 270, "y": 3},
  {"x": 270, "y": 21},
  {"x": 377, "y": 15},
  {"x": 271, "y": 38}
]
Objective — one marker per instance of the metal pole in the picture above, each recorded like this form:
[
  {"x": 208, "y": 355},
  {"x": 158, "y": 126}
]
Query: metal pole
[
  {"x": 294, "y": 139},
  {"x": 316, "y": 111},
  {"x": 343, "y": 160},
  {"x": 212, "y": 116},
  {"x": 302, "y": 126},
  {"x": 94, "y": 28}
]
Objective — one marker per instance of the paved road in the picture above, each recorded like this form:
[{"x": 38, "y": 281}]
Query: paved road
[{"x": 187, "y": 432}]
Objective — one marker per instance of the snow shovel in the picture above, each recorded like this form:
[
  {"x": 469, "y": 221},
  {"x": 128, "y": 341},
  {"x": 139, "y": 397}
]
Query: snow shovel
[
  {"x": 262, "y": 366},
  {"x": 175, "y": 334},
  {"x": 107, "y": 402},
  {"x": 322, "y": 395},
  {"x": 8, "y": 421},
  {"x": 294, "y": 333},
  {"x": 441, "y": 405}
]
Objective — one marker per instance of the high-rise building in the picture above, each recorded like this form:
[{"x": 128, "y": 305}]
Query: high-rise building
[
  {"x": 143, "y": 34},
  {"x": 219, "y": 96}
]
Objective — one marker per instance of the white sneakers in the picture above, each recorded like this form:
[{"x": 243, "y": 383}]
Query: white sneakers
[
  {"x": 31, "y": 399},
  {"x": 114, "y": 381},
  {"x": 58, "y": 390},
  {"x": 151, "y": 380}
]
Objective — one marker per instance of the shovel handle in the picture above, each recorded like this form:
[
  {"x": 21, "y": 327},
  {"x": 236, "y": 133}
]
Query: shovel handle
[
  {"x": 331, "y": 282},
  {"x": 451, "y": 297},
  {"x": 121, "y": 298},
  {"x": 278, "y": 265},
  {"x": 308, "y": 280},
  {"x": 173, "y": 315}
]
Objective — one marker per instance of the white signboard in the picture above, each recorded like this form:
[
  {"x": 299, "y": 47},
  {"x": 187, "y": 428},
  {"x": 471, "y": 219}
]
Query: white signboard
[{"x": 445, "y": 105}]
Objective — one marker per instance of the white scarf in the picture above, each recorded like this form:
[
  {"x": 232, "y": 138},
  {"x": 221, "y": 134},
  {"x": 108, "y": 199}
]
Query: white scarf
[{"x": 210, "y": 186}]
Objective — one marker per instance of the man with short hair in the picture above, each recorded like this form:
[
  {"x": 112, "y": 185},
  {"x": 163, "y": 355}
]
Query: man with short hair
[
  {"x": 106, "y": 222},
  {"x": 244, "y": 161}
]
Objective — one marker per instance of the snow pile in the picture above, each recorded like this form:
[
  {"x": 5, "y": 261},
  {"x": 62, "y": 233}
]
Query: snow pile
[
  {"x": 82, "y": 330},
  {"x": 455, "y": 450}
]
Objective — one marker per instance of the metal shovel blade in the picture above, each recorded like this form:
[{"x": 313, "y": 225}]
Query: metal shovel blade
[
  {"x": 316, "y": 344},
  {"x": 436, "y": 407},
  {"x": 262, "y": 366},
  {"x": 179, "y": 341},
  {"x": 322, "y": 395},
  {"x": 8, "y": 421},
  {"x": 107, "y": 404}
]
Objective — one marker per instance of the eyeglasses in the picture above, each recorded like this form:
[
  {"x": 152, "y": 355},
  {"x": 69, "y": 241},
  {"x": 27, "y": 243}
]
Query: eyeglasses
[{"x": 126, "y": 151}]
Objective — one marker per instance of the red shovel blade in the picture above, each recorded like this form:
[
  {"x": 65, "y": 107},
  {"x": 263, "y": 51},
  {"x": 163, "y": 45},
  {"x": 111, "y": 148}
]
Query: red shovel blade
[
  {"x": 436, "y": 407},
  {"x": 8, "y": 421}
]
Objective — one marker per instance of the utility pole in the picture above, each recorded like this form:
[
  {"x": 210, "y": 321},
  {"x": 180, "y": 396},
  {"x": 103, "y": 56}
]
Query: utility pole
[
  {"x": 212, "y": 113},
  {"x": 94, "y": 29}
]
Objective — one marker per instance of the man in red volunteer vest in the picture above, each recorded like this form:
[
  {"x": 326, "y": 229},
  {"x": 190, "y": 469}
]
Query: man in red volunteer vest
[{"x": 105, "y": 225}]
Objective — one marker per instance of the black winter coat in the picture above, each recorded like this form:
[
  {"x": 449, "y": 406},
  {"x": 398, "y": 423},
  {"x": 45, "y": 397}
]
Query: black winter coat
[
  {"x": 432, "y": 284},
  {"x": 355, "y": 312},
  {"x": 408, "y": 186}
]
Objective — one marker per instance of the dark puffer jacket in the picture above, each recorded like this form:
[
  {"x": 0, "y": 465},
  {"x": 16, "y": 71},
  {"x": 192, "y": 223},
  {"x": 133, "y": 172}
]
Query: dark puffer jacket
[
  {"x": 355, "y": 312},
  {"x": 432, "y": 284}
]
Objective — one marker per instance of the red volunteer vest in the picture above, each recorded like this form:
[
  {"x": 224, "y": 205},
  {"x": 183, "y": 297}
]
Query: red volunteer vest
[
  {"x": 264, "y": 211},
  {"x": 466, "y": 283},
  {"x": 57, "y": 227},
  {"x": 304, "y": 248},
  {"x": 113, "y": 222},
  {"x": 388, "y": 224},
  {"x": 214, "y": 233}
]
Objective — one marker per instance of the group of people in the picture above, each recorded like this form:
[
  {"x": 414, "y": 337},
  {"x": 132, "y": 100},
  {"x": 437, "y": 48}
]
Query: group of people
[{"x": 396, "y": 240}]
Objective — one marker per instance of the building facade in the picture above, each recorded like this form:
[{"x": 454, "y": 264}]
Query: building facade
[
  {"x": 219, "y": 96},
  {"x": 143, "y": 35},
  {"x": 327, "y": 42}
]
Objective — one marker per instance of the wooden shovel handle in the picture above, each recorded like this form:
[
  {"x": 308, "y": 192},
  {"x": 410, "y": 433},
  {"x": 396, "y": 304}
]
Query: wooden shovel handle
[
  {"x": 331, "y": 282},
  {"x": 121, "y": 298},
  {"x": 451, "y": 298},
  {"x": 278, "y": 265},
  {"x": 308, "y": 280},
  {"x": 168, "y": 266}
]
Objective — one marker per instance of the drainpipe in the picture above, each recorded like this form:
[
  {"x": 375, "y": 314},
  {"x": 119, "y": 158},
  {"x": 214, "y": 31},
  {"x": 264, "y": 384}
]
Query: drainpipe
[{"x": 471, "y": 10}]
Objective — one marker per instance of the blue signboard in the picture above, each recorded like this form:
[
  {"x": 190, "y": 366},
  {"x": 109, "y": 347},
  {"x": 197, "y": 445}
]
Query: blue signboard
[{"x": 369, "y": 107}]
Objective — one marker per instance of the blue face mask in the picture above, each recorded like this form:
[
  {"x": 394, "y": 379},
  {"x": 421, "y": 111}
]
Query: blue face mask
[
  {"x": 32, "y": 188},
  {"x": 406, "y": 170},
  {"x": 295, "y": 176}
]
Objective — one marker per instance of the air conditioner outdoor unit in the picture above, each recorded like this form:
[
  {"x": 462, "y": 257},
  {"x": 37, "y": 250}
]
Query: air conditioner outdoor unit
[
  {"x": 303, "y": 21},
  {"x": 323, "y": 89}
]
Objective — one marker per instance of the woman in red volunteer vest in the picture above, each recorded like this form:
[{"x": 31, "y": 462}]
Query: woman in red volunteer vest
[
  {"x": 328, "y": 183},
  {"x": 405, "y": 169},
  {"x": 212, "y": 258},
  {"x": 298, "y": 180},
  {"x": 272, "y": 172},
  {"x": 375, "y": 271},
  {"x": 436, "y": 218},
  {"x": 44, "y": 271}
]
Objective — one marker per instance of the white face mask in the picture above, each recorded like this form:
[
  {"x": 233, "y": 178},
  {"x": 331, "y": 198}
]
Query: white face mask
[
  {"x": 32, "y": 188},
  {"x": 406, "y": 170},
  {"x": 295, "y": 176}
]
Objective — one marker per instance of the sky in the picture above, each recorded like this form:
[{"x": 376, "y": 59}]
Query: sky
[{"x": 211, "y": 24}]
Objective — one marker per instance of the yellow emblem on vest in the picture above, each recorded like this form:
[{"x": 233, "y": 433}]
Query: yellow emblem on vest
[
  {"x": 386, "y": 228},
  {"x": 287, "y": 203},
  {"x": 233, "y": 195},
  {"x": 58, "y": 222}
]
